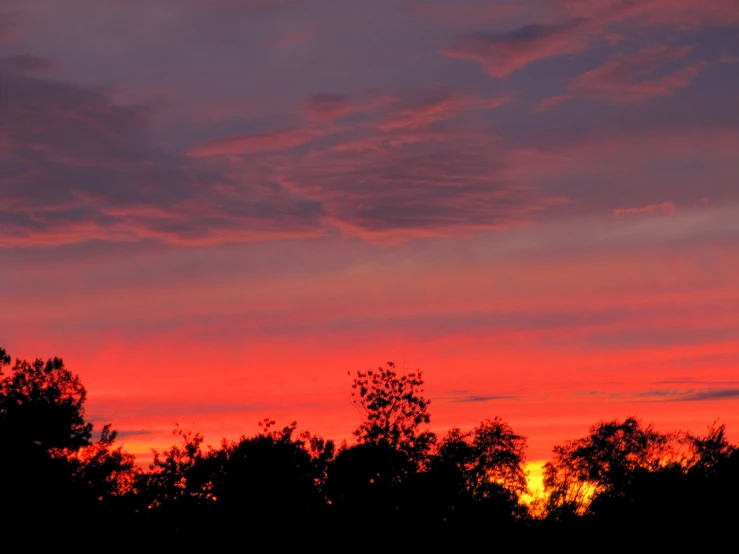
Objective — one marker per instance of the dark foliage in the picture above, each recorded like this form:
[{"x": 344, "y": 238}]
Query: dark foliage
[
  {"x": 393, "y": 410},
  {"x": 51, "y": 475},
  {"x": 397, "y": 487}
]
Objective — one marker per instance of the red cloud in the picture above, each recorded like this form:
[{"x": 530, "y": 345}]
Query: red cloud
[
  {"x": 664, "y": 208},
  {"x": 415, "y": 110},
  {"x": 413, "y": 115},
  {"x": 502, "y": 54},
  {"x": 393, "y": 187},
  {"x": 331, "y": 106},
  {"x": 680, "y": 13},
  {"x": 75, "y": 167},
  {"x": 254, "y": 143},
  {"x": 633, "y": 77},
  {"x": 400, "y": 172}
]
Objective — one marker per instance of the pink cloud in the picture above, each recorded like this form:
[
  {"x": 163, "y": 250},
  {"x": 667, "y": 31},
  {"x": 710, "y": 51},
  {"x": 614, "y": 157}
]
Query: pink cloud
[
  {"x": 396, "y": 184},
  {"x": 633, "y": 77},
  {"x": 549, "y": 103},
  {"x": 412, "y": 110},
  {"x": 502, "y": 54},
  {"x": 663, "y": 208},
  {"x": 383, "y": 141},
  {"x": 326, "y": 107},
  {"x": 80, "y": 168},
  {"x": 75, "y": 167},
  {"x": 418, "y": 163},
  {"x": 416, "y": 114},
  {"x": 295, "y": 38},
  {"x": 254, "y": 143},
  {"x": 682, "y": 13}
]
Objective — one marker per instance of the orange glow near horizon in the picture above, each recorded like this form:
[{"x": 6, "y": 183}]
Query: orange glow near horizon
[{"x": 552, "y": 345}]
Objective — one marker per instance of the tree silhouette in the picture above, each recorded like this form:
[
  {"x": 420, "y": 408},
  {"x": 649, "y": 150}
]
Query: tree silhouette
[
  {"x": 603, "y": 464},
  {"x": 476, "y": 478},
  {"x": 709, "y": 453},
  {"x": 393, "y": 408},
  {"x": 365, "y": 480},
  {"x": 42, "y": 405},
  {"x": 491, "y": 457},
  {"x": 41, "y": 419},
  {"x": 171, "y": 480},
  {"x": 273, "y": 472},
  {"x": 106, "y": 472}
]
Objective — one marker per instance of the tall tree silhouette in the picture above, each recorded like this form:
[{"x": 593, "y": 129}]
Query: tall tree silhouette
[
  {"x": 366, "y": 479},
  {"x": 394, "y": 409}
]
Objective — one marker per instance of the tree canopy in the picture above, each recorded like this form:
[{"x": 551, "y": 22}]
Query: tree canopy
[
  {"x": 603, "y": 463},
  {"x": 393, "y": 409},
  {"x": 491, "y": 457},
  {"x": 42, "y": 404}
]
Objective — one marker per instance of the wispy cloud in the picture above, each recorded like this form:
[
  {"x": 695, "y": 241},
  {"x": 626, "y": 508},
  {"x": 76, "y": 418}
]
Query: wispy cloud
[
  {"x": 666, "y": 395},
  {"x": 633, "y": 77},
  {"x": 77, "y": 167},
  {"x": 503, "y": 53},
  {"x": 663, "y": 208},
  {"x": 325, "y": 107},
  {"x": 471, "y": 397},
  {"x": 254, "y": 143},
  {"x": 711, "y": 394}
]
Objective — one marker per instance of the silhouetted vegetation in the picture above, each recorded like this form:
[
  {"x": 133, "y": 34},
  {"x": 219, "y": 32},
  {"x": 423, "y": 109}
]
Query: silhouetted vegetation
[{"x": 623, "y": 481}]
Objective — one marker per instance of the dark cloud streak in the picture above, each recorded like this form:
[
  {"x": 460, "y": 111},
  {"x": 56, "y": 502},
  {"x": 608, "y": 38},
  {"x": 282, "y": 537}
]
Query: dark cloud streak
[{"x": 76, "y": 167}]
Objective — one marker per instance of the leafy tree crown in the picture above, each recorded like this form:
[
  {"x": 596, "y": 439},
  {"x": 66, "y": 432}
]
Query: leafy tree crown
[{"x": 393, "y": 408}]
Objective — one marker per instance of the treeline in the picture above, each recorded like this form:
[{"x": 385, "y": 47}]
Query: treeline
[{"x": 396, "y": 479}]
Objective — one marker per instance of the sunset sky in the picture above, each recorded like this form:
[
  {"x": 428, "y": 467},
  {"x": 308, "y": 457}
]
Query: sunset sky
[{"x": 215, "y": 209}]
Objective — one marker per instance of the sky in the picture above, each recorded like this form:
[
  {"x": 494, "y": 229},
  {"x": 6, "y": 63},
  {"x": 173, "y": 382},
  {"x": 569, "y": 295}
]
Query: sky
[{"x": 218, "y": 211}]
